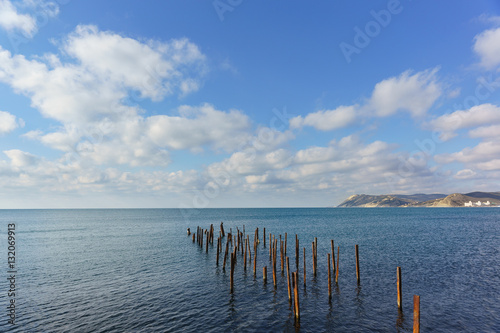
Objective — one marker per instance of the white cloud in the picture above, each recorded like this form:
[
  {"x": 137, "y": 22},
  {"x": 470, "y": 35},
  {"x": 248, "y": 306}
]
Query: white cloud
[
  {"x": 11, "y": 19},
  {"x": 89, "y": 98},
  {"x": 19, "y": 158},
  {"x": 487, "y": 47},
  {"x": 155, "y": 69},
  {"x": 465, "y": 174},
  {"x": 199, "y": 126},
  {"x": 492, "y": 131},
  {"x": 413, "y": 93},
  {"x": 475, "y": 157},
  {"x": 345, "y": 164},
  {"x": 478, "y": 115},
  {"x": 8, "y": 122},
  {"x": 327, "y": 120}
]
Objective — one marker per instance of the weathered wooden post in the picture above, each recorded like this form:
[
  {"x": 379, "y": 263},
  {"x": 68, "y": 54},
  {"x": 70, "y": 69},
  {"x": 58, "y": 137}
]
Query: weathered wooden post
[
  {"x": 233, "y": 255},
  {"x": 222, "y": 229},
  {"x": 329, "y": 279},
  {"x": 255, "y": 263},
  {"x": 275, "y": 251},
  {"x": 218, "y": 243},
  {"x": 316, "y": 250},
  {"x": 225, "y": 256},
  {"x": 193, "y": 237},
  {"x": 208, "y": 241},
  {"x": 282, "y": 260},
  {"x": 333, "y": 256},
  {"x": 313, "y": 260},
  {"x": 296, "y": 296},
  {"x": 357, "y": 263},
  {"x": 271, "y": 245},
  {"x": 399, "y": 285},
  {"x": 288, "y": 279},
  {"x": 416, "y": 314},
  {"x": 249, "y": 251},
  {"x": 264, "y": 273},
  {"x": 264, "y": 237},
  {"x": 245, "y": 257}
]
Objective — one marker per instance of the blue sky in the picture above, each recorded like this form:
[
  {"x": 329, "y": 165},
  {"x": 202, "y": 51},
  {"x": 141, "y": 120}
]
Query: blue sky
[{"x": 236, "y": 103}]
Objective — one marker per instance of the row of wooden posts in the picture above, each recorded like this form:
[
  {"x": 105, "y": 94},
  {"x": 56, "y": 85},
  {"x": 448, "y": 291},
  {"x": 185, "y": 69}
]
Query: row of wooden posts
[{"x": 241, "y": 243}]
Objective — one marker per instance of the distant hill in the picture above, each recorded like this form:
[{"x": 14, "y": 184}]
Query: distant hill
[{"x": 476, "y": 199}]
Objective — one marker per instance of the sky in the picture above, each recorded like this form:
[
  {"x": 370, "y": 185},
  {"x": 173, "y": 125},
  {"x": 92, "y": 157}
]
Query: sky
[{"x": 238, "y": 103}]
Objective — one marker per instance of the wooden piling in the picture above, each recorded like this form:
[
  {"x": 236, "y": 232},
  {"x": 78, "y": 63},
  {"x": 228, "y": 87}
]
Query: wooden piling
[
  {"x": 357, "y": 263},
  {"x": 249, "y": 251},
  {"x": 288, "y": 279},
  {"x": 270, "y": 247},
  {"x": 313, "y": 260},
  {"x": 281, "y": 253},
  {"x": 329, "y": 279},
  {"x": 245, "y": 257},
  {"x": 274, "y": 262},
  {"x": 193, "y": 237},
  {"x": 218, "y": 243},
  {"x": 316, "y": 250},
  {"x": 255, "y": 263},
  {"x": 264, "y": 273},
  {"x": 208, "y": 240},
  {"x": 225, "y": 256},
  {"x": 333, "y": 256},
  {"x": 233, "y": 255},
  {"x": 296, "y": 295},
  {"x": 399, "y": 285},
  {"x": 416, "y": 314},
  {"x": 304, "y": 266},
  {"x": 264, "y": 237},
  {"x": 222, "y": 229}
]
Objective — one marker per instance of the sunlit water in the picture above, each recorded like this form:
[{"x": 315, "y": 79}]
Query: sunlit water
[{"x": 137, "y": 271}]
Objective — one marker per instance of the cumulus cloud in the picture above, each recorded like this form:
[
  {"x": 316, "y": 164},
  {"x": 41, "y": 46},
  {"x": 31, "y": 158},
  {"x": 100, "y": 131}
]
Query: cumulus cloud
[
  {"x": 485, "y": 132},
  {"x": 11, "y": 19},
  {"x": 19, "y": 158},
  {"x": 199, "y": 126},
  {"x": 9, "y": 122},
  {"x": 410, "y": 92},
  {"x": 413, "y": 93},
  {"x": 484, "y": 114},
  {"x": 346, "y": 163},
  {"x": 327, "y": 120},
  {"x": 484, "y": 156},
  {"x": 487, "y": 47},
  {"x": 465, "y": 174},
  {"x": 88, "y": 94}
]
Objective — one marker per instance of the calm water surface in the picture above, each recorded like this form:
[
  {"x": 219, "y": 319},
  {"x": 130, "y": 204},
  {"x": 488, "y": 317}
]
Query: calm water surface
[{"x": 137, "y": 271}]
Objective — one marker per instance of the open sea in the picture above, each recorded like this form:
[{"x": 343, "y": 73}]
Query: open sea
[{"x": 136, "y": 270}]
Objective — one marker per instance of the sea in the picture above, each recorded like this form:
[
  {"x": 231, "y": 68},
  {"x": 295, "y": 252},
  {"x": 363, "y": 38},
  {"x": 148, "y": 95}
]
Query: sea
[{"x": 137, "y": 270}]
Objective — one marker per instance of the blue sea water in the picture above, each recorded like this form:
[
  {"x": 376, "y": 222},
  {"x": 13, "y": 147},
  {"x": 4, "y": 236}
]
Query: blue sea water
[{"x": 136, "y": 270}]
